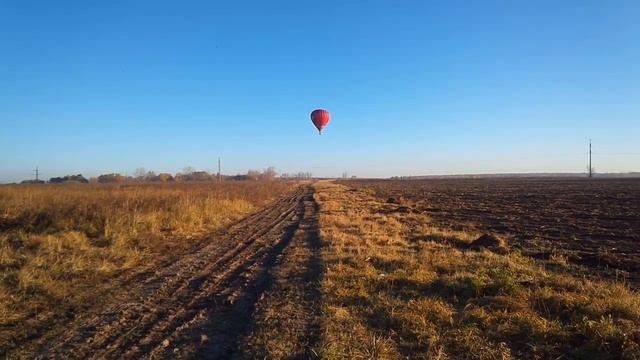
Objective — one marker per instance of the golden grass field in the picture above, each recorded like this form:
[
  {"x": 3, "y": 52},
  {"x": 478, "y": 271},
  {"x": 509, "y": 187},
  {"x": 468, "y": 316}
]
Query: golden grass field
[
  {"x": 353, "y": 276},
  {"x": 65, "y": 247}
]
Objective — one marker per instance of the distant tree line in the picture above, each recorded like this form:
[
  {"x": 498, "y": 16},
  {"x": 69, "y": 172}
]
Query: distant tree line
[
  {"x": 297, "y": 176},
  {"x": 69, "y": 179},
  {"x": 186, "y": 175}
]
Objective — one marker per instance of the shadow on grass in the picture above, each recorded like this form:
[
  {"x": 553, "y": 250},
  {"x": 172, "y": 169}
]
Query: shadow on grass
[{"x": 227, "y": 323}]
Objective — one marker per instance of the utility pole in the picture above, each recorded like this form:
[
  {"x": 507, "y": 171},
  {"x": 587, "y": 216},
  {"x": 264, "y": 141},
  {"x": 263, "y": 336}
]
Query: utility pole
[
  {"x": 37, "y": 172},
  {"x": 219, "y": 174},
  {"x": 590, "y": 168}
]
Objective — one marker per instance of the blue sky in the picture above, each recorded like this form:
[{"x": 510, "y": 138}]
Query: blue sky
[{"x": 414, "y": 87}]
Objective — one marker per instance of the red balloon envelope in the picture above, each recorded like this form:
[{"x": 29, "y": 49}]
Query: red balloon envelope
[{"x": 320, "y": 118}]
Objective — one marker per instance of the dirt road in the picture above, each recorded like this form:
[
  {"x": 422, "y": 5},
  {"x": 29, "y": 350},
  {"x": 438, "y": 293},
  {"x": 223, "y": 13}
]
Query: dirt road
[{"x": 202, "y": 305}]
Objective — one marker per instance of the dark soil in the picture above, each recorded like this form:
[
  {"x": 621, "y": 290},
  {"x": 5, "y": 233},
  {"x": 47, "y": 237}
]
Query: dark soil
[
  {"x": 491, "y": 242},
  {"x": 594, "y": 223}
]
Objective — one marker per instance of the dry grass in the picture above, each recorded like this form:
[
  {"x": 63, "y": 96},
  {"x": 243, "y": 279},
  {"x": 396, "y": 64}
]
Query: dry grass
[
  {"x": 394, "y": 285},
  {"x": 62, "y": 247},
  {"x": 398, "y": 287}
]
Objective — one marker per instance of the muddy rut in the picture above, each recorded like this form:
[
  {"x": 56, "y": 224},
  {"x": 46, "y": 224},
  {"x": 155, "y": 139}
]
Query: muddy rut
[{"x": 199, "y": 306}]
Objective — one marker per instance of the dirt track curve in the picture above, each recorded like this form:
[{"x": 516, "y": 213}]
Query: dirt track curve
[{"x": 200, "y": 305}]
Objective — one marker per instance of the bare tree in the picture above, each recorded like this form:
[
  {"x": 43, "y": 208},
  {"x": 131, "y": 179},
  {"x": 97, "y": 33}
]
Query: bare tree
[
  {"x": 253, "y": 174},
  {"x": 139, "y": 173},
  {"x": 150, "y": 176},
  {"x": 269, "y": 173},
  {"x": 165, "y": 177}
]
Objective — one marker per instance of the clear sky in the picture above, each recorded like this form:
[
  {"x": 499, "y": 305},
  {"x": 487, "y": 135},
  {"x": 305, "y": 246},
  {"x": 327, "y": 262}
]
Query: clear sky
[{"x": 414, "y": 87}]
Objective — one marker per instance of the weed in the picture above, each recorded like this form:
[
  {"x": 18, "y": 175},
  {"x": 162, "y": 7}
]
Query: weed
[{"x": 503, "y": 281}]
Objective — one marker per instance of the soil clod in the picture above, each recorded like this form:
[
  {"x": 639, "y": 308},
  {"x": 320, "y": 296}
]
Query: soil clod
[{"x": 490, "y": 242}]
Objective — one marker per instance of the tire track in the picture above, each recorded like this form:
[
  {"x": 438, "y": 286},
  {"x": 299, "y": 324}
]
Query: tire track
[
  {"x": 157, "y": 316},
  {"x": 286, "y": 318}
]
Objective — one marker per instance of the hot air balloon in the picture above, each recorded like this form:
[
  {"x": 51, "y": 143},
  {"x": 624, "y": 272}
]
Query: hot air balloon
[{"x": 320, "y": 118}]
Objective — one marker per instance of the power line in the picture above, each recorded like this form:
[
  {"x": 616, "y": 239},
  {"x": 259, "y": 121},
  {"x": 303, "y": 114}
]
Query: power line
[
  {"x": 38, "y": 173},
  {"x": 613, "y": 153},
  {"x": 590, "y": 168}
]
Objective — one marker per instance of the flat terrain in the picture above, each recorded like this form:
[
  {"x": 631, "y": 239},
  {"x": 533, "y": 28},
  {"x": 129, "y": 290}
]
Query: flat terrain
[
  {"x": 365, "y": 270},
  {"x": 403, "y": 283},
  {"x": 69, "y": 249},
  {"x": 199, "y": 305},
  {"x": 594, "y": 223}
]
